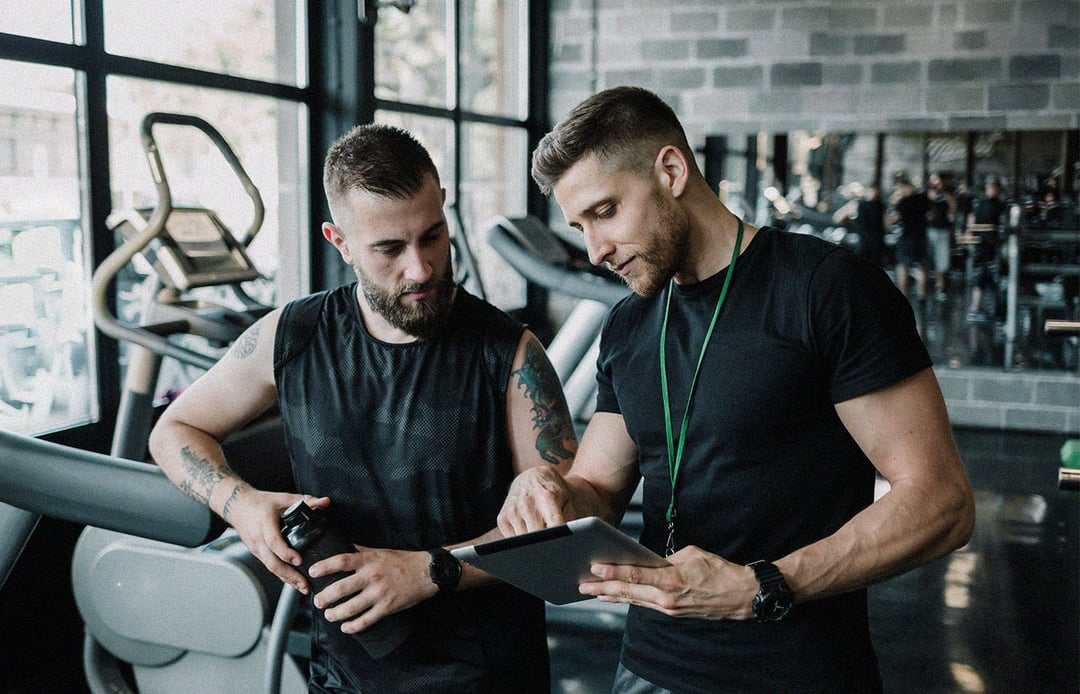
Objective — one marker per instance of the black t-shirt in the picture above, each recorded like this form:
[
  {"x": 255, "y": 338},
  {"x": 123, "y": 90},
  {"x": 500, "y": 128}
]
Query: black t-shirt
[
  {"x": 768, "y": 467},
  {"x": 410, "y": 443},
  {"x": 913, "y": 210}
]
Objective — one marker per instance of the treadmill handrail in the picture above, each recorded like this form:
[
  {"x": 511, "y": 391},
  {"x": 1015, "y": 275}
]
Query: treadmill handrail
[
  {"x": 104, "y": 317},
  {"x": 100, "y": 490},
  {"x": 564, "y": 280}
]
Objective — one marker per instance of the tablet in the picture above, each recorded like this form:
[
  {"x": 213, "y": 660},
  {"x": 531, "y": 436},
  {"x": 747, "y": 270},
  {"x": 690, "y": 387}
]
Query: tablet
[{"x": 550, "y": 563}]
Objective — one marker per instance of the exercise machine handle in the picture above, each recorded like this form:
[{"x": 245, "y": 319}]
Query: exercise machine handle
[{"x": 100, "y": 490}]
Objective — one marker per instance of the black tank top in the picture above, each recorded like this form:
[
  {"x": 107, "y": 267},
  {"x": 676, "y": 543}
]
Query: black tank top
[{"x": 409, "y": 441}]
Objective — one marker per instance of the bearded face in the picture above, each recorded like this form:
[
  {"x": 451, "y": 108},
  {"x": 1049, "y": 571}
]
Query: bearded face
[{"x": 422, "y": 318}]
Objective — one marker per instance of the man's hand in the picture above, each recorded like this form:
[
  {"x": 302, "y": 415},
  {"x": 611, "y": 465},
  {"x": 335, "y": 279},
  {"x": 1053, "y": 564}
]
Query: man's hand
[
  {"x": 538, "y": 498},
  {"x": 256, "y": 516},
  {"x": 378, "y": 582},
  {"x": 697, "y": 584}
]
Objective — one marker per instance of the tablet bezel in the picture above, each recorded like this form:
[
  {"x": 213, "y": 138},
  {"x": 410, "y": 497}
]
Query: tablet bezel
[{"x": 552, "y": 562}]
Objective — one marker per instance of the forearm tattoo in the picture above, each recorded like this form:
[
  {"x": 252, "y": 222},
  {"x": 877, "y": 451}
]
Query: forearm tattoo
[
  {"x": 555, "y": 439},
  {"x": 245, "y": 344},
  {"x": 203, "y": 477}
]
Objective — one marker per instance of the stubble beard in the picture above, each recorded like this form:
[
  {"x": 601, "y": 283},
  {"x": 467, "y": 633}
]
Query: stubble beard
[
  {"x": 422, "y": 319},
  {"x": 664, "y": 254}
]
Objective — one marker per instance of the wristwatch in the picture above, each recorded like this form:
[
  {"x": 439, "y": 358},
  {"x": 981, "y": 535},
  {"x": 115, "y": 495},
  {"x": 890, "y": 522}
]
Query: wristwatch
[
  {"x": 774, "y": 599},
  {"x": 445, "y": 569}
]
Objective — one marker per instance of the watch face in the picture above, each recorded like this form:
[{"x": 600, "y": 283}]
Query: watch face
[
  {"x": 445, "y": 570},
  {"x": 772, "y": 605}
]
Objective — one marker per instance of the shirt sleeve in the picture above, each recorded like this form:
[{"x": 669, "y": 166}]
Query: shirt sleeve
[{"x": 862, "y": 327}]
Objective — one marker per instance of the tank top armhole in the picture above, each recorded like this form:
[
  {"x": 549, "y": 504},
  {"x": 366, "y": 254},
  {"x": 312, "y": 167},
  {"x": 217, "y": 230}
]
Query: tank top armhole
[{"x": 296, "y": 327}]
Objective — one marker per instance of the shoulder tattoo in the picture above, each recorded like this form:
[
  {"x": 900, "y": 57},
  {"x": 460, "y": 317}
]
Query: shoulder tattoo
[
  {"x": 245, "y": 344},
  {"x": 555, "y": 438}
]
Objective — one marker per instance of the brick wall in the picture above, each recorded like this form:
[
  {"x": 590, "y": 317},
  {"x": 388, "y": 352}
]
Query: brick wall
[{"x": 730, "y": 67}]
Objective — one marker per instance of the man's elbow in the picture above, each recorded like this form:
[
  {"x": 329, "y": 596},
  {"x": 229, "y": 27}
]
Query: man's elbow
[{"x": 961, "y": 517}]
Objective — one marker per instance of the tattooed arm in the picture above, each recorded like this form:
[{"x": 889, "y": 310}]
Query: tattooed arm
[{"x": 186, "y": 444}]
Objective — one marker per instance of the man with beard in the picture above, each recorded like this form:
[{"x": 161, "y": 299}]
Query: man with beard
[
  {"x": 756, "y": 382},
  {"x": 409, "y": 406}
]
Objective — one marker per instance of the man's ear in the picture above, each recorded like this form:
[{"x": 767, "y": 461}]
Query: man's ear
[
  {"x": 673, "y": 170},
  {"x": 332, "y": 233}
]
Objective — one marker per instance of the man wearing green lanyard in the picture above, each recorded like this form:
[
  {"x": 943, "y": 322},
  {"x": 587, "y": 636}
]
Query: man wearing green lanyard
[{"x": 756, "y": 381}]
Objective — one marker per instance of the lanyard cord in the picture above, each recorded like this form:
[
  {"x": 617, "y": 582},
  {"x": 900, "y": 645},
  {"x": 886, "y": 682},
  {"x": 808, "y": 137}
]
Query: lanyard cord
[{"x": 675, "y": 456}]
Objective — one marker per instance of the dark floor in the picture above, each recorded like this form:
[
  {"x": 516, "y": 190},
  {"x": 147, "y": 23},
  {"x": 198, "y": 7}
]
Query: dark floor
[{"x": 999, "y": 615}]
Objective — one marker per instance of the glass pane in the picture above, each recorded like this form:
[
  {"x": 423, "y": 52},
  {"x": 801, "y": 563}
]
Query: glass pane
[
  {"x": 265, "y": 134},
  {"x": 436, "y": 135},
  {"x": 41, "y": 19},
  {"x": 47, "y": 378},
  {"x": 493, "y": 57},
  {"x": 494, "y": 171},
  {"x": 411, "y": 55},
  {"x": 246, "y": 38}
]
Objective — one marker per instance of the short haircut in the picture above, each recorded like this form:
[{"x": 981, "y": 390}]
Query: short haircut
[
  {"x": 378, "y": 159},
  {"x": 624, "y": 127}
]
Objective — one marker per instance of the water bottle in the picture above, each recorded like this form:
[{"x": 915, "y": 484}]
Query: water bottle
[{"x": 309, "y": 531}]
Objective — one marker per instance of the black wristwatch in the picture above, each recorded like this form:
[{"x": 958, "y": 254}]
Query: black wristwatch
[
  {"x": 774, "y": 599},
  {"x": 445, "y": 569}
]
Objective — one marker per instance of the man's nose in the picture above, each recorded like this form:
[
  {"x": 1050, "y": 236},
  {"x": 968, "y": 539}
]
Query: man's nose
[
  {"x": 419, "y": 267},
  {"x": 598, "y": 248}
]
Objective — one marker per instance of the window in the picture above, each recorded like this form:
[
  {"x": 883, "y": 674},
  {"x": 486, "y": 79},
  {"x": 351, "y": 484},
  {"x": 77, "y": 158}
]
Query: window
[
  {"x": 47, "y": 376},
  {"x": 454, "y": 74},
  {"x": 242, "y": 68}
]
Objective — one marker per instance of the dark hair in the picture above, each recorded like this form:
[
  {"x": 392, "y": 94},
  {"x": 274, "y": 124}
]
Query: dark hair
[
  {"x": 624, "y": 127},
  {"x": 380, "y": 159}
]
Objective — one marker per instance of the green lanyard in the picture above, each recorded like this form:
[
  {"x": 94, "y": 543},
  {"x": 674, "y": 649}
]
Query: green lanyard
[{"x": 675, "y": 455}]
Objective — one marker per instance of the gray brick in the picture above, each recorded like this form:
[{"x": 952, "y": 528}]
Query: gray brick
[
  {"x": 570, "y": 79},
  {"x": 742, "y": 19},
  {"x": 915, "y": 124},
  {"x": 721, "y": 48},
  {"x": 852, "y": 17},
  {"x": 955, "y": 98},
  {"x": 947, "y": 15},
  {"x": 954, "y": 385},
  {"x": 751, "y": 76},
  {"x": 841, "y": 74},
  {"x": 568, "y": 52},
  {"x": 982, "y": 416},
  {"x": 781, "y": 101},
  {"x": 908, "y": 15},
  {"x": 615, "y": 78},
  {"x": 1004, "y": 390},
  {"x": 890, "y": 73},
  {"x": 1048, "y": 11},
  {"x": 1026, "y": 67},
  {"x": 877, "y": 44},
  {"x": 1062, "y": 36},
  {"x": 665, "y": 49},
  {"x": 695, "y": 22},
  {"x": 1059, "y": 393},
  {"x": 795, "y": 74},
  {"x": 1018, "y": 419},
  {"x": 1066, "y": 96},
  {"x": 830, "y": 101},
  {"x": 969, "y": 40},
  {"x": 964, "y": 70},
  {"x": 684, "y": 78},
  {"x": 805, "y": 18},
  {"x": 1018, "y": 97},
  {"x": 825, "y": 43},
  {"x": 978, "y": 123},
  {"x": 1036, "y": 120},
  {"x": 992, "y": 11}
]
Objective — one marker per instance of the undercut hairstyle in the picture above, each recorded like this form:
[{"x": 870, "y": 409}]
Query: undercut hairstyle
[
  {"x": 624, "y": 127},
  {"x": 378, "y": 159}
]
